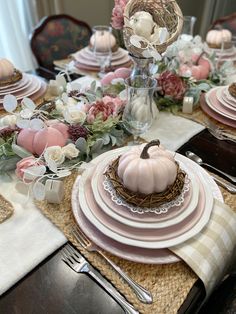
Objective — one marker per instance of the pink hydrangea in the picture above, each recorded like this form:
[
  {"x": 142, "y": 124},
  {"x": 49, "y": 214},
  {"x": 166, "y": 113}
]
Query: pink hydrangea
[
  {"x": 117, "y": 19},
  {"x": 116, "y": 103},
  {"x": 172, "y": 85}
]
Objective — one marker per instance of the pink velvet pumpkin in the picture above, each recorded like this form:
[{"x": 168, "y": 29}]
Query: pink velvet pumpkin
[
  {"x": 199, "y": 70},
  {"x": 36, "y": 141},
  {"x": 147, "y": 169}
]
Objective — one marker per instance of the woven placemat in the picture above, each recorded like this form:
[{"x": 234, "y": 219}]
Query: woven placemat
[{"x": 6, "y": 209}]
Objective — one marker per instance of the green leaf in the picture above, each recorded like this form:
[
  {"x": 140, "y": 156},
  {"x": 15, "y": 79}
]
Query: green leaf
[
  {"x": 81, "y": 144},
  {"x": 8, "y": 164},
  {"x": 97, "y": 146}
]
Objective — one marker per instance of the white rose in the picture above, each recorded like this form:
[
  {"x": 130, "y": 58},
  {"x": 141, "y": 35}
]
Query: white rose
[
  {"x": 70, "y": 151},
  {"x": 54, "y": 153},
  {"x": 73, "y": 116},
  {"x": 60, "y": 105},
  {"x": 71, "y": 101},
  {"x": 8, "y": 120}
]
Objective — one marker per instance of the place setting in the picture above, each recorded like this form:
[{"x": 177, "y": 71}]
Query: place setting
[{"x": 19, "y": 84}]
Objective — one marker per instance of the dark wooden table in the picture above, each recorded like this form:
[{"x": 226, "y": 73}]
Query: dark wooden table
[{"x": 52, "y": 287}]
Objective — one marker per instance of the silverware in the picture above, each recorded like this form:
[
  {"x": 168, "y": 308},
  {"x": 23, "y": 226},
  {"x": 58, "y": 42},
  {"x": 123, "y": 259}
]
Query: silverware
[
  {"x": 142, "y": 294},
  {"x": 229, "y": 187},
  {"x": 221, "y": 136},
  {"x": 199, "y": 161},
  {"x": 80, "y": 265},
  {"x": 218, "y": 132}
]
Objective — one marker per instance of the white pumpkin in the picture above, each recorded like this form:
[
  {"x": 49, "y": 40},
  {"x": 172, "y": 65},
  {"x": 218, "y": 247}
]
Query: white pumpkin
[
  {"x": 106, "y": 40},
  {"x": 216, "y": 37},
  {"x": 147, "y": 168},
  {"x": 8, "y": 120},
  {"x": 140, "y": 111},
  {"x": 6, "y": 69},
  {"x": 142, "y": 24}
]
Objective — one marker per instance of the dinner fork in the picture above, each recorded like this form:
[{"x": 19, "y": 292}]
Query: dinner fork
[
  {"x": 80, "y": 265},
  {"x": 142, "y": 294},
  {"x": 218, "y": 132}
]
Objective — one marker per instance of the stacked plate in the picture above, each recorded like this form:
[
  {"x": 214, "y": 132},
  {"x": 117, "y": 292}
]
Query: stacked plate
[
  {"x": 85, "y": 59},
  {"x": 223, "y": 54},
  {"x": 29, "y": 86},
  {"x": 220, "y": 105},
  {"x": 142, "y": 238}
]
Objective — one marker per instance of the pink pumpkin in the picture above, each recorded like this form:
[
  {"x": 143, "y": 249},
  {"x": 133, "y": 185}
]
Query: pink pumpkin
[
  {"x": 119, "y": 73},
  {"x": 36, "y": 141},
  {"x": 200, "y": 70},
  {"x": 106, "y": 80}
]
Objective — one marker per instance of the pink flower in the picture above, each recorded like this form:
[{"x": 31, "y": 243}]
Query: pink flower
[
  {"x": 116, "y": 102},
  {"x": 105, "y": 110},
  {"x": 117, "y": 19},
  {"x": 24, "y": 164},
  {"x": 172, "y": 85}
]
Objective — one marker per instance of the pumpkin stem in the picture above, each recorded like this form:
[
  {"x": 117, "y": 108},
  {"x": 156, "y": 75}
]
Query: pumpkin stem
[{"x": 144, "y": 154}]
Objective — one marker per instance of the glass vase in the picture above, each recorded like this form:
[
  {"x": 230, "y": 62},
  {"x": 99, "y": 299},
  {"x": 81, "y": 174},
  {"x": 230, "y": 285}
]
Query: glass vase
[
  {"x": 138, "y": 113},
  {"x": 188, "y": 27},
  {"x": 142, "y": 66}
]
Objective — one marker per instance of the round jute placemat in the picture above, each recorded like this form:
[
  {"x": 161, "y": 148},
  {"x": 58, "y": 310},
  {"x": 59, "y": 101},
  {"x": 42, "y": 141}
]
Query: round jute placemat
[
  {"x": 169, "y": 283},
  {"x": 6, "y": 209}
]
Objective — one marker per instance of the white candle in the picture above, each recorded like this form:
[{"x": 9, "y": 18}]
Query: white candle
[
  {"x": 187, "y": 105},
  {"x": 54, "y": 191}
]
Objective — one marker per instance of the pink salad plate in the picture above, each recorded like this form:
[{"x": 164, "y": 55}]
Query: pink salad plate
[
  {"x": 224, "y": 100},
  {"x": 229, "y": 97},
  {"x": 216, "y": 105},
  {"x": 123, "y": 214},
  {"x": 146, "y": 238},
  {"x": 94, "y": 62},
  {"x": 89, "y": 55},
  {"x": 96, "y": 69},
  {"x": 215, "y": 115}
]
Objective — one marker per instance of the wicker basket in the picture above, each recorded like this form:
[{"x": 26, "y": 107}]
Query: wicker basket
[
  {"x": 17, "y": 76},
  {"x": 149, "y": 200},
  {"x": 166, "y": 13}
]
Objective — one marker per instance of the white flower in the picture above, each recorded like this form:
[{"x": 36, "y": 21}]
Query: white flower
[
  {"x": 71, "y": 101},
  {"x": 8, "y": 120},
  {"x": 60, "y": 105},
  {"x": 55, "y": 154},
  {"x": 73, "y": 116},
  {"x": 70, "y": 151},
  {"x": 54, "y": 88}
]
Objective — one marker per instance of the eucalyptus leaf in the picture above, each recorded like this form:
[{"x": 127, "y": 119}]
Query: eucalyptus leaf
[
  {"x": 204, "y": 87},
  {"x": 113, "y": 140},
  {"x": 93, "y": 86},
  {"x": 106, "y": 139},
  {"x": 20, "y": 151},
  {"x": 81, "y": 144},
  {"x": 37, "y": 124},
  {"x": 97, "y": 146},
  {"x": 7, "y": 164}
]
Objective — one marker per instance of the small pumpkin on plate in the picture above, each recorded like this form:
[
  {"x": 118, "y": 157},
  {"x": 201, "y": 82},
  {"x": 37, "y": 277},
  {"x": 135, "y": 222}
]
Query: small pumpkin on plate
[
  {"x": 148, "y": 169},
  {"x": 215, "y": 38}
]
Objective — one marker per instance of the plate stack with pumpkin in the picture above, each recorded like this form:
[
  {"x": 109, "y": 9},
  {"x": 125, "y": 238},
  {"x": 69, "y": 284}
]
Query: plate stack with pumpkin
[
  {"x": 13, "y": 81},
  {"x": 138, "y": 201},
  {"x": 219, "y": 41},
  {"x": 85, "y": 59}
]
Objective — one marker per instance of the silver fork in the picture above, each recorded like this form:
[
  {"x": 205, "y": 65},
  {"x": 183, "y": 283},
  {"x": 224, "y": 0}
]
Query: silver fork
[
  {"x": 218, "y": 132},
  {"x": 142, "y": 294},
  {"x": 80, "y": 265}
]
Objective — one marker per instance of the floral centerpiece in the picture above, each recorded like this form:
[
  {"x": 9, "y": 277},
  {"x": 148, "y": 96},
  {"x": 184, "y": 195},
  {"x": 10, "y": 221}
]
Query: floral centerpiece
[{"x": 50, "y": 140}]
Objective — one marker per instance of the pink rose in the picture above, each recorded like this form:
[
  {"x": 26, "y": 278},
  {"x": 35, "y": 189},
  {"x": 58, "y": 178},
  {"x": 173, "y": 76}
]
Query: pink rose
[
  {"x": 117, "y": 20},
  {"x": 100, "y": 108},
  {"x": 172, "y": 85},
  {"x": 24, "y": 164}
]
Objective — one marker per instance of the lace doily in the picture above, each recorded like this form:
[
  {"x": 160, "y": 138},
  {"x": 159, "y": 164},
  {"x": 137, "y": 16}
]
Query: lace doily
[{"x": 162, "y": 209}]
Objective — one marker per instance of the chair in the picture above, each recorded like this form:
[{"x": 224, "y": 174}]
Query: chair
[
  {"x": 228, "y": 22},
  {"x": 57, "y": 36}
]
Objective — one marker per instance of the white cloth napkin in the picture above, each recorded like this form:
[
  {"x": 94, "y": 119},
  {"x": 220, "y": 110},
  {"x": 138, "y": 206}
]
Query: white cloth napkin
[
  {"x": 212, "y": 251},
  {"x": 172, "y": 131},
  {"x": 26, "y": 238}
]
